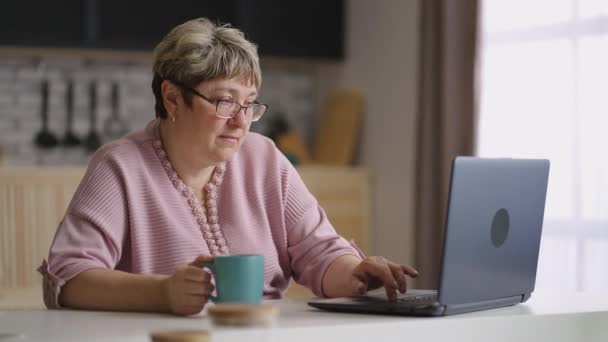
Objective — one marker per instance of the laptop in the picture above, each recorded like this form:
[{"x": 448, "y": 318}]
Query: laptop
[{"x": 491, "y": 243}]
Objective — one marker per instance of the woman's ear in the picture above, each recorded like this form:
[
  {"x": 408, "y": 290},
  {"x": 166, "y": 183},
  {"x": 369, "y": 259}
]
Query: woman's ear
[{"x": 171, "y": 95}]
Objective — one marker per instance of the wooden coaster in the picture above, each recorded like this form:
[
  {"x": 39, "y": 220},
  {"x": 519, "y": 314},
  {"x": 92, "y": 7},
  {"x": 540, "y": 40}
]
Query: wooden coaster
[
  {"x": 180, "y": 336},
  {"x": 243, "y": 314}
]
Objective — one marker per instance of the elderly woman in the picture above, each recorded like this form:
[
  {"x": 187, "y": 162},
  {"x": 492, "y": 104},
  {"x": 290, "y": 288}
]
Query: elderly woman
[{"x": 195, "y": 184}]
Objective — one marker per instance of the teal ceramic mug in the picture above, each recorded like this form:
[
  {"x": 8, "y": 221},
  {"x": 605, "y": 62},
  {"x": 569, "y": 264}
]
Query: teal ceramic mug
[{"x": 238, "y": 278}]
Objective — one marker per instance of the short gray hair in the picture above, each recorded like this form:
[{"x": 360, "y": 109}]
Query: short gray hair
[{"x": 200, "y": 50}]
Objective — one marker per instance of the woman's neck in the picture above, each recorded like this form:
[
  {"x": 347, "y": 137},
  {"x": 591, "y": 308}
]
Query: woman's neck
[{"x": 189, "y": 165}]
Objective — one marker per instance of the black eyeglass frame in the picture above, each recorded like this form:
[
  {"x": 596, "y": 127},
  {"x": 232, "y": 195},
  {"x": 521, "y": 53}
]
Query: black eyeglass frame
[{"x": 232, "y": 103}]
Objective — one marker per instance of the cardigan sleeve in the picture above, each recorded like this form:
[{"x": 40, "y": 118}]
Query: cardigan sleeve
[
  {"x": 313, "y": 243},
  {"x": 92, "y": 232}
]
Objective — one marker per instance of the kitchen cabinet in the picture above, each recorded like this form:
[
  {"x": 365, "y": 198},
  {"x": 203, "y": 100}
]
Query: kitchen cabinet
[
  {"x": 303, "y": 29},
  {"x": 313, "y": 28},
  {"x": 141, "y": 24},
  {"x": 42, "y": 23}
]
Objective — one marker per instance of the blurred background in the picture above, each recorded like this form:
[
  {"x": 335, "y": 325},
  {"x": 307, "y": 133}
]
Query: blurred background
[{"x": 394, "y": 87}]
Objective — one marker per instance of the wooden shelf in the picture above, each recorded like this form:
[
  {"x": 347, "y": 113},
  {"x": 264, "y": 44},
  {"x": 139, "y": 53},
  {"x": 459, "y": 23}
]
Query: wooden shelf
[{"x": 103, "y": 55}]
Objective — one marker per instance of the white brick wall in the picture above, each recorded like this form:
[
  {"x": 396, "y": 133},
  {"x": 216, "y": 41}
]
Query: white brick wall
[{"x": 287, "y": 91}]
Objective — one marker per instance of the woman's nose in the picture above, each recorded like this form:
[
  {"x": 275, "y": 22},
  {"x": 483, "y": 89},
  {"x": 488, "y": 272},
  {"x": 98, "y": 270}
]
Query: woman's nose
[{"x": 240, "y": 118}]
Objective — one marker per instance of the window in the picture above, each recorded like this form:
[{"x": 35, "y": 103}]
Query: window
[{"x": 544, "y": 93}]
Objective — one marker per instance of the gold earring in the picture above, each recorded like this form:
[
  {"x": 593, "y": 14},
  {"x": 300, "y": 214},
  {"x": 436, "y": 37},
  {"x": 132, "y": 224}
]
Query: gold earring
[{"x": 172, "y": 118}]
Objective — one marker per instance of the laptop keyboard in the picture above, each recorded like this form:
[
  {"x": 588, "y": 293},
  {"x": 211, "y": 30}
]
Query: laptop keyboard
[
  {"x": 379, "y": 296},
  {"x": 414, "y": 298}
]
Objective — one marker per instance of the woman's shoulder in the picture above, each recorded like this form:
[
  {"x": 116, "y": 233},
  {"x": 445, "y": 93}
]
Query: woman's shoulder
[
  {"x": 129, "y": 150},
  {"x": 257, "y": 141},
  {"x": 258, "y": 149},
  {"x": 259, "y": 158}
]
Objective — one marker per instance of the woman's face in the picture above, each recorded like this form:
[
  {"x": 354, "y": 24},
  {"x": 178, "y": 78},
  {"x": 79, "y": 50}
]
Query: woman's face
[{"x": 198, "y": 128}]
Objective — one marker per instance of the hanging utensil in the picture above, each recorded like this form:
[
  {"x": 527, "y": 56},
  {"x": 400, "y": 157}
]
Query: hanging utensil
[
  {"x": 70, "y": 139},
  {"x": 115, "y": 126},
  {"x": 92, "y": 140},
  {"x": 45, "y": 139}
]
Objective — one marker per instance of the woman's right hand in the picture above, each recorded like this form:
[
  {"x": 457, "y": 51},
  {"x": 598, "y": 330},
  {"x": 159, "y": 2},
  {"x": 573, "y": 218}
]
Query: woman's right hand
[{"x": 189, "y": 287}]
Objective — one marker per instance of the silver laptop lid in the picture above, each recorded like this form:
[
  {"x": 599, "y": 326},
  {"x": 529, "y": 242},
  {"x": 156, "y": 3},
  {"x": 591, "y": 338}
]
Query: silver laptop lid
[{"x": 493, "y": 229}]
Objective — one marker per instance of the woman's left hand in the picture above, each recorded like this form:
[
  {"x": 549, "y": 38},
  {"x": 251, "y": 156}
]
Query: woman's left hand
[{"x": 375, "y": 271}]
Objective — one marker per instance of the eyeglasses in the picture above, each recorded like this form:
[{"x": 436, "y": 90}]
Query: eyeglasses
[{"x": 227, "y": 109}]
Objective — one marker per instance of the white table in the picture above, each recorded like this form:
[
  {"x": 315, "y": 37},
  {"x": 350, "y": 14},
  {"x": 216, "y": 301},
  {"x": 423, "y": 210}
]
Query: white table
[{"x": 572, "y": 317}]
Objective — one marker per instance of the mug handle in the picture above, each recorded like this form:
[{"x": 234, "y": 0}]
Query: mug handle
[{"x": 210, "y": 266}]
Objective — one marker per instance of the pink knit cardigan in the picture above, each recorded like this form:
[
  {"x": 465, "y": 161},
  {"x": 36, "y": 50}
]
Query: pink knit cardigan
[{"x": 132, "y": 212}]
